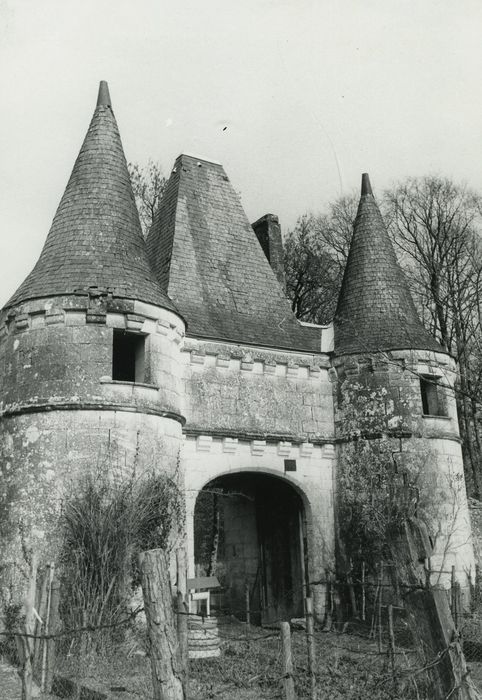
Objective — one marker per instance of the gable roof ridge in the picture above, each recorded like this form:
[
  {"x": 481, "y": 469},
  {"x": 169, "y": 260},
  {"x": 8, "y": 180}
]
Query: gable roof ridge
[{"x": 195, "y": 156}]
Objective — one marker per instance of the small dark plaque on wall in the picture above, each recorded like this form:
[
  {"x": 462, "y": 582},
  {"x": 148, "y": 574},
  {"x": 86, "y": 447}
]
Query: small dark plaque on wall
[{"x": 290, "y": 465}]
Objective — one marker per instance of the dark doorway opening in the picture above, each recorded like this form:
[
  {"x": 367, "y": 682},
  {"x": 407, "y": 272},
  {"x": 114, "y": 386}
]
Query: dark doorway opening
[{"x": 249, "y": 531}]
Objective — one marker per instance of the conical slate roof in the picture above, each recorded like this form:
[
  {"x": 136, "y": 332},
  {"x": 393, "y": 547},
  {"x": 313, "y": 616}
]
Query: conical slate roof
[
  {"x": 207, "y": 257},
  {"x": 375, "y": 310},
  {"x": 95, "y": 240}
]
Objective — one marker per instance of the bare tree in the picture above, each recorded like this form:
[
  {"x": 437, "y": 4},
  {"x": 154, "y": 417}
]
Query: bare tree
[
  {"x": 148, "y": 184},
  {"x": 315, "y": 257},
  {"x": 435, "y": 225},
  {"x": 335, "y": 227}
]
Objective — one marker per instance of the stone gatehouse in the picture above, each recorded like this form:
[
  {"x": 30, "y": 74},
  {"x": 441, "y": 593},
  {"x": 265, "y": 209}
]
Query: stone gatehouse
[{"x": 181, "y": 354}]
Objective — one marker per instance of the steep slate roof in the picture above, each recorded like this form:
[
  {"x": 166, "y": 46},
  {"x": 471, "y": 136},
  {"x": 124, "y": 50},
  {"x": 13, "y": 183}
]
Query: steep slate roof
[
  {"x": 95, "y": 239},
  {"x": 207, "y": 257},
  {"x": 375, "y": 309}
]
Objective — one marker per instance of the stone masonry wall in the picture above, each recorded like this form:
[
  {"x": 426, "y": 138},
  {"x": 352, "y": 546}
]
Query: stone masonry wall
[
  {"x": 230, "y": 389},
  {"x": 44, "y": 456},
  {"x": 398, "y": 375},
  {"x": 427, "y": 447},
  {"x": 62, "y": 416}
]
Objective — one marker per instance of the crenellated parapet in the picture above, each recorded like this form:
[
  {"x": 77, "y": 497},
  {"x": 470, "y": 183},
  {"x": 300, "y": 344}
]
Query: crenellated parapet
[
  {"x": 95, "y": 307},
  {"x": 254, "y": 359},
  {"x": 249, "y": 392}
]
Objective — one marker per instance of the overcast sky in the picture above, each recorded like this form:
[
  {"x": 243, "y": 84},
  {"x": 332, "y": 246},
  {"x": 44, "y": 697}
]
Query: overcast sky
[{"x": 312, "y": 93}]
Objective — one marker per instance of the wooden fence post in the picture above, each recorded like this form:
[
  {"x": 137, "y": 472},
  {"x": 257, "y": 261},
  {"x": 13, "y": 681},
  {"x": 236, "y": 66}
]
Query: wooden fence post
[
  {"x": 54, "y": 625},
  {"x": 25, "y": 644},
  {"x": 391, "y": 641},
  {"x": 49, "y": 575},
  {"x": 380, "y": 606},
  {"x": 453, "y": 600},
  {"x": 351, "y": 591},
  {"x": 182, "y": 612},
  {"x": 41, "y": 607},
  {"x": 458, "y": 606},
  {"x": 330, "y": 608},
  {"x": 164, "y": 650},
  {"x": 310, "y": 639},
  {"x": 288, "y": 680},
  {"x": 363, "y": 613},
  {"x": 431, "y": 621}
]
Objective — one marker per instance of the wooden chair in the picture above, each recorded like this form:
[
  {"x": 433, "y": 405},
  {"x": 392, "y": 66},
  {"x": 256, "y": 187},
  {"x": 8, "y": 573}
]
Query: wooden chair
[{"x": 199, "y": 589}]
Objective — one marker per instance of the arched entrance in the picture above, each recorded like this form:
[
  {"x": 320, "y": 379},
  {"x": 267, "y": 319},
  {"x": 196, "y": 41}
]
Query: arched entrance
[{"x": 249, "y": 531}]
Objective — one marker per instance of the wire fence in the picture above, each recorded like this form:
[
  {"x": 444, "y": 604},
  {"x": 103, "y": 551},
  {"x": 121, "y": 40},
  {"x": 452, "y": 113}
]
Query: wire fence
[
  {"x": 371, "y": 654},
  {"x": 249, "y": 663}
]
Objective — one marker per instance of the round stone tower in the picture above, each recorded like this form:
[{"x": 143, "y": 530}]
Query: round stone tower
[
  {"x": 395, "y": 385},
  {"x": 89, "y": 348}
]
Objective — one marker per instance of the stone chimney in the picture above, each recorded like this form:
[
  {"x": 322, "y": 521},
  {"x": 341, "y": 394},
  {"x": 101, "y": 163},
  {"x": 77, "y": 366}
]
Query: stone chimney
[{"x": 268, "y": 233}]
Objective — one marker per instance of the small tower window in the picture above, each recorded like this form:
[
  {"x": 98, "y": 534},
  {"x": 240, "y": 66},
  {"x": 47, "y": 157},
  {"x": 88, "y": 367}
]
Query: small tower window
[
  {"x": 433, "y": 397},
  {"x": 128, "y": 357}
]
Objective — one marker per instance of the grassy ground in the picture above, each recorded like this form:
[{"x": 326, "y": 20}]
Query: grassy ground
[{"x": 348, "y": 667}]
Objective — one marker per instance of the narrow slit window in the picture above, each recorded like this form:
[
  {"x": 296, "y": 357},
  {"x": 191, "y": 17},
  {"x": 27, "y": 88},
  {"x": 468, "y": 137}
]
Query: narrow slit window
[
  {"x": 433, "y": 397},
  {"x": 128, "y": 357}
]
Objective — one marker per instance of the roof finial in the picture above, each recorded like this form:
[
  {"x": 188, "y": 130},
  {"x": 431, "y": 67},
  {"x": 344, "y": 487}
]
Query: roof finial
[
  {"x": 103, "y": 97},
  {"x": 366, "y": 188}
]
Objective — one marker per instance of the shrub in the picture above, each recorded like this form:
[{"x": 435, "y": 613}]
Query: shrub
[{"x": 105, "y": 525}]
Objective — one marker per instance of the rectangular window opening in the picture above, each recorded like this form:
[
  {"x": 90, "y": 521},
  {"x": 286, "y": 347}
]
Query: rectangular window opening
[
  {"x": 433, "y": 397},
  {"x": 128, "y": 357}
]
